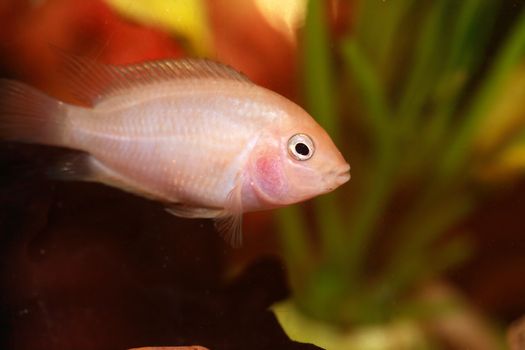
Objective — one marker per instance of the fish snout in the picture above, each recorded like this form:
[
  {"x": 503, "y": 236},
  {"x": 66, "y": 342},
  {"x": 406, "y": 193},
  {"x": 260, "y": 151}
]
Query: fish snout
[
  {"x": 337, "y": 177},
  {"x": 343, "y": 175}
]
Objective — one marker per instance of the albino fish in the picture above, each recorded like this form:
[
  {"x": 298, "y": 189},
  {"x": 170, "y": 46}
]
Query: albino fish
[{"x": 191, "y": 133}]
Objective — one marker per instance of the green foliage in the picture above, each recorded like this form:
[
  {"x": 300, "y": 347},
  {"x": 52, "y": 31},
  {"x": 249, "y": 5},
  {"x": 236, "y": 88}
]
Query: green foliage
[{"x": 422, "y": 84}]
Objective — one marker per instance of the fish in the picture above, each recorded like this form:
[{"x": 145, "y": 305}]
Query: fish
[{"x": 192, "y": 133}]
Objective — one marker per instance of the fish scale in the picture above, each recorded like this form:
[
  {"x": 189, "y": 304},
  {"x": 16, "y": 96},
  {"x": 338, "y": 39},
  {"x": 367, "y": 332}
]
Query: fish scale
[{"x": 180, "y": 135}]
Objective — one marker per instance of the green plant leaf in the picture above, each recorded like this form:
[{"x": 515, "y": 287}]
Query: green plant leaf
[{"x": 508, "y": 58}]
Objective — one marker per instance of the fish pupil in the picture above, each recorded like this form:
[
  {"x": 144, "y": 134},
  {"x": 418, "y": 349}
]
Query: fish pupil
[{"x": 302, "y": 149}]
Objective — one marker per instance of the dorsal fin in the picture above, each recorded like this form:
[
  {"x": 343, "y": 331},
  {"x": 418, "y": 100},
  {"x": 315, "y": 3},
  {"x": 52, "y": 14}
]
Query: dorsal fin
[{"x": 91, "y": 81}]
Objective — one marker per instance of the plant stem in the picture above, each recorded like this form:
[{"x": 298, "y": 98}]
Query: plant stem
[
  {"x": 377, "y": 44},
  {"x": 296, "y": 250},
  {"x": 380, "y": 183},
  {"x": 432, "y": 217},
  {"x": 467, "y": 45},
  {"x": 320, "y": 95},
  {"x": 319, "y": 87},
  {"x": 426, "y": 66},
  {"x": 509, "y": 57}
]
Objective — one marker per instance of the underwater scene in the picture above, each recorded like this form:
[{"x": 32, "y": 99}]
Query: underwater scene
[{"x": 262, "y": 174}]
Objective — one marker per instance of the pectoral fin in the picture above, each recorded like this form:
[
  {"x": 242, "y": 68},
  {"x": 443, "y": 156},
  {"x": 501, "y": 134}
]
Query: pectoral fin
[
  {"x": 230, "y": 228},
  {"x": 229, "y": 222}
]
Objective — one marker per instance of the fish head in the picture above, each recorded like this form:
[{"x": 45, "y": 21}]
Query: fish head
[{"x": 294, "y": 161}]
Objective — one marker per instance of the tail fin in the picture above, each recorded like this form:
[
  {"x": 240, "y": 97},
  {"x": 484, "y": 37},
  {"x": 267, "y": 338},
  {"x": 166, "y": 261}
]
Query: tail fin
[{"x": 28, "y": 115}]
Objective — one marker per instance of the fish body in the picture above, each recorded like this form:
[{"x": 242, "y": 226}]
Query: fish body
[
  {"x": 174, "y": 141},
  {"x": 193, "y": 134}
]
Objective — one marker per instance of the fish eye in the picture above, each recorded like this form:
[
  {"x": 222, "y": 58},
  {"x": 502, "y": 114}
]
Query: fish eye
[{"x": 301, "y": 147}]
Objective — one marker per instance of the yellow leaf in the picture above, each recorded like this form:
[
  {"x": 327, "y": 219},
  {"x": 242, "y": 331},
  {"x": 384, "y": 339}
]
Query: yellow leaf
[
  {"x": 507, "y": 115},
  {"x": 403, "y": 334},
  {"x": 181, "y": 17},
  {"x": 285, "y": 16},
  {"x": 500, "y": 143},
  {"x": 509, "y": 164}
]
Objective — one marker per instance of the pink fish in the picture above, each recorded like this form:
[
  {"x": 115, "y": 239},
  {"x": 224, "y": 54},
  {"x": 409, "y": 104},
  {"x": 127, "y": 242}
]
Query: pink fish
[{"x": 194, "y": 134}]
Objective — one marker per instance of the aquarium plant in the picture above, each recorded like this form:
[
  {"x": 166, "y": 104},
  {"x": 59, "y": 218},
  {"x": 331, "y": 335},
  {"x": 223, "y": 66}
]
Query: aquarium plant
[{"x": 424, "y": 98}]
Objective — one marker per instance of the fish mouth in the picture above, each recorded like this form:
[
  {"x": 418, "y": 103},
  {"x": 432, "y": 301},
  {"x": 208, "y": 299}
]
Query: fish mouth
[
  {"x": 343, "y": 175},
  {"x": 338, "y": 177}
]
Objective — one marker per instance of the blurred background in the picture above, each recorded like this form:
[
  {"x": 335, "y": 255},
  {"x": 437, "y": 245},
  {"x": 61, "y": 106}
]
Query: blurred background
[{"x": 423, "y": 249}]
